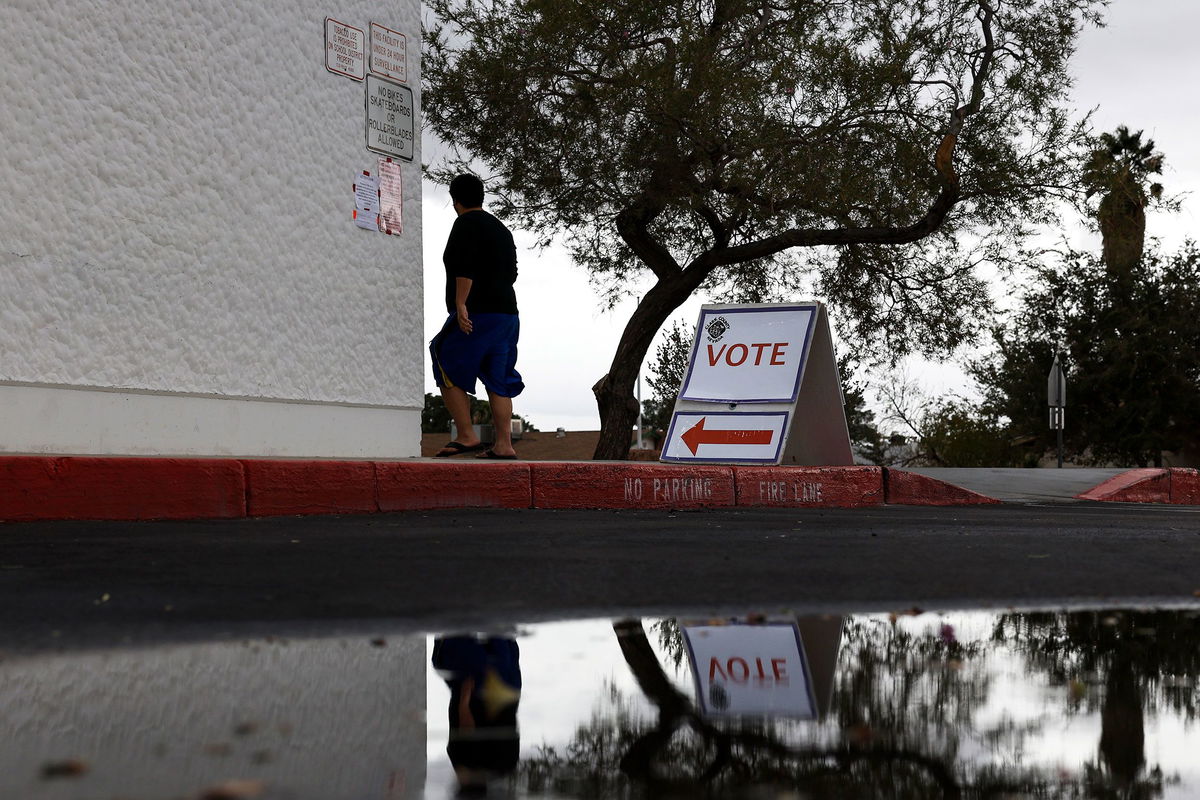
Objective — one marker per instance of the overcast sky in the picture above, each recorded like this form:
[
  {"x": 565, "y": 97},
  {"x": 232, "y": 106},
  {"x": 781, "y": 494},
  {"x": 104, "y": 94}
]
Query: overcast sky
[{"x": 1142, "y": 70}]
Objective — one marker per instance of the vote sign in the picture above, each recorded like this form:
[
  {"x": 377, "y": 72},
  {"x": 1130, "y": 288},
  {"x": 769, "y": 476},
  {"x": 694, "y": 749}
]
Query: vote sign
[
  {"x": 761, "y": 387},
  {"x": 750, "y": 670},
  {"x": 749, "y": 355}
]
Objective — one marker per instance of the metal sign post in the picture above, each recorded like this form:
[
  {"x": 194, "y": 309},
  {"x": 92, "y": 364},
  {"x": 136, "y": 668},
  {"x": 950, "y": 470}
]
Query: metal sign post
[{"x": 1056, "y": 395}]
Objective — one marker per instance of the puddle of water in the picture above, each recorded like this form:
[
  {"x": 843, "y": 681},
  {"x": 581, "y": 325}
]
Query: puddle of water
[{"x": 970, "y": 704}]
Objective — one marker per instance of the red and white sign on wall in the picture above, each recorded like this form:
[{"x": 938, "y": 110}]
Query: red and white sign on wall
[
  {"x": 389, "y": 53},
  {"x": 391, "y": 198},
  {"x": 745, "y": 670},
  {"x": 345, "y": 49},
  {"x": 761, "y": 387}
]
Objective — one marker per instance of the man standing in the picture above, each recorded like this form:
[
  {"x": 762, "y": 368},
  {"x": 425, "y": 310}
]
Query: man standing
[{"x": 479, "y": 339}]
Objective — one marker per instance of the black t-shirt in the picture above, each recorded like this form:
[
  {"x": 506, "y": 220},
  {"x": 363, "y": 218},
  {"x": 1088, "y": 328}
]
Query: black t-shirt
[{"x": 482, "y": 249}]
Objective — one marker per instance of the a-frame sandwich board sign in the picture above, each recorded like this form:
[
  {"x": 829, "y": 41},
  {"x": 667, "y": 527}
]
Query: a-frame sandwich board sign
[{"x": 761, "y": 387}]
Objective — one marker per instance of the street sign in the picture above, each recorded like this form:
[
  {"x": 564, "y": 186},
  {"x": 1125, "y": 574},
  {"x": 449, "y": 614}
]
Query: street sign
[
  {"x": 345, "y": 49},
  {"x": 389, "y": 118},
  {"x": 743, "y": 670},
  {"x": 1056, "y": 395},
  {"x": 761, "y": 387},
  {"x": 1056, "y": 385}
]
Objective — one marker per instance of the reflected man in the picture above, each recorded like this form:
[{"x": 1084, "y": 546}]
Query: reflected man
[{"x": 484, "y": 678}]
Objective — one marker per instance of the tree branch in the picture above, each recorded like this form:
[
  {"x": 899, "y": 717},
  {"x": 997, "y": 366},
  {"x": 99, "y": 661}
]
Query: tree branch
[
  {"x": 938, "y": 210},
  {"x": 633, "y": 225}
]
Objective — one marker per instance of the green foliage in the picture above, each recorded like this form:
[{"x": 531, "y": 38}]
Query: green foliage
[
  {"x": 760, "y": 150},
  {"x": 436, "y": 419},
  {"x": 868, "y": 443},
  {"x": 1119, "y": 169},
  {"x": 434, "y": 416},
  {"x": 1131, "y": 351},
  {"x": 957, "y": 434},
  {"x": 709, "y": 138},
  {"x": 666, "y": 377}
]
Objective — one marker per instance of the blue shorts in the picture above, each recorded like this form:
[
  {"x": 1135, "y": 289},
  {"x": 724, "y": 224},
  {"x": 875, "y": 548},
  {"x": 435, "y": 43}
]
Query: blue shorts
[{"x": 489, "y": 354}]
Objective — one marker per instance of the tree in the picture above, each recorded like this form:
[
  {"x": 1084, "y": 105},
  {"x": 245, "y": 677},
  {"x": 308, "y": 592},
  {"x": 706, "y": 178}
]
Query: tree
[
  {"x": 868, "y": 443},
  {"x": 666, "y": 377},
  {"x": 1126, "y": 325},
  {"x": 709, "y": 142},
  {"x": 1118, "y": 170},
  {"x": 1130, "y": 344},
  {"x": 949, "y": 431}
]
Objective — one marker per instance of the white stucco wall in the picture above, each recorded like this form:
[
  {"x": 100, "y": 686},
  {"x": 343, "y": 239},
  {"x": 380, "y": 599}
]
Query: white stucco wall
[
  {"x": 175, "y": 220},
  {"x": 328, "y": 718}
]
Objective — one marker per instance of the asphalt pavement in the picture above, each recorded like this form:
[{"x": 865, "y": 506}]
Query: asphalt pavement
[{"x": 69, "y": 584}]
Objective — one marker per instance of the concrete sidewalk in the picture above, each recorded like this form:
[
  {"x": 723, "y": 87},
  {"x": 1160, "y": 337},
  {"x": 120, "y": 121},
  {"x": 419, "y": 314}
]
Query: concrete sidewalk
[{"x": 1024, "y": 485}]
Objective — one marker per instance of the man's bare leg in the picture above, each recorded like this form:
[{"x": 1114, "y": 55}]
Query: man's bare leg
[
  {"x": 502, "y": 422},
  {"x": 458, "y": 403}
]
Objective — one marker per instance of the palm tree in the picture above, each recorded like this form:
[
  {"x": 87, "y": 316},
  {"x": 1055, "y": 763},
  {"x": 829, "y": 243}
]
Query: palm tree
[{"x": 1118, "y": 170}]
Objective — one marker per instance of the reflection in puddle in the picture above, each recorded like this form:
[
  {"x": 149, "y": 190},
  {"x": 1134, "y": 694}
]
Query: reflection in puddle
[
  {"x": 1088, "y": 704},
  {"x": 268, "y": 718},
  {"x": 483, "y": 675},
  {"x": 973, "y": 704}
]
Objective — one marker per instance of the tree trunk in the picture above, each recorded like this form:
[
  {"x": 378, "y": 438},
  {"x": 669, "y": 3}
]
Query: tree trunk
[
  {"x": 1122, "y": 220},
  {"x": 614, "y": 392},
  {"x": 1122, "y": 727}
]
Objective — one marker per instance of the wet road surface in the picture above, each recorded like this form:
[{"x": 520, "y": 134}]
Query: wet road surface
[{"x": 86, "y": 582}]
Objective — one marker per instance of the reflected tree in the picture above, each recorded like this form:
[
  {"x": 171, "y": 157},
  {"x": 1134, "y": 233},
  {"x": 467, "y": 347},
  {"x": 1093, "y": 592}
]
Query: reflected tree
[
  {"x": 1124, "y": 664},
  {"x": 906, "y": 702}
]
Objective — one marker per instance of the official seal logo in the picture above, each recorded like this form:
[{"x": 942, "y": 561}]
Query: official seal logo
[{"x": 716, "y": 329}]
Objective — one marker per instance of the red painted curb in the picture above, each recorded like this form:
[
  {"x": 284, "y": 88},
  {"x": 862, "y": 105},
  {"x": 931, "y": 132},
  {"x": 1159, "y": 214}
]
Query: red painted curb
[
  {"x": 280, "y": 488},
  {"x": 1150, "y": 485},
  {"x": 422, "y": 486},
  {"x": 809, "y": 487},
  {"x": 101, "y": 488},
  {"x": 630, "y": 485},
  {"x": 1185, "y": 486},
  {"x": 131, "y": 488},
  {"x": 913, "y": 489}
]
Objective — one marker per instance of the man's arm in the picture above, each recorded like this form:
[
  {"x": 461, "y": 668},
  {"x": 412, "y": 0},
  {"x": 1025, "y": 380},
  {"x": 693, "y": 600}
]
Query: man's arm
[{"x": 462, "y": 288}]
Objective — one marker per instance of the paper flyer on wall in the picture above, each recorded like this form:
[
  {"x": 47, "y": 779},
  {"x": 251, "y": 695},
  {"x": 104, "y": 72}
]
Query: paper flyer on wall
[
  {"x": 366, "y": 201},
  {"x": 390, "y": 198}
]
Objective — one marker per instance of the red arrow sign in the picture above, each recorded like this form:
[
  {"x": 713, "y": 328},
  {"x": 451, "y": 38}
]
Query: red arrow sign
[{"x": 697, "y": 435}]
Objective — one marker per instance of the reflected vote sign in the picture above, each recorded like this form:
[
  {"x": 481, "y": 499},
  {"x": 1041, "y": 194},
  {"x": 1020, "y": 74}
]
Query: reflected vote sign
[
  {"x": 748, "y": 355},
  {"x": 745, "y": 670}
]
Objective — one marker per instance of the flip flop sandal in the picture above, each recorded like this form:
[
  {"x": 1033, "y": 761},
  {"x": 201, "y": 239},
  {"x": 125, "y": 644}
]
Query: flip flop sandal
[{"x": 494, "y": 456}]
